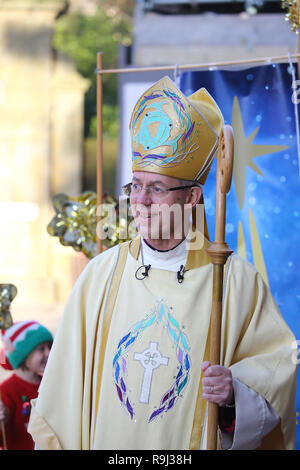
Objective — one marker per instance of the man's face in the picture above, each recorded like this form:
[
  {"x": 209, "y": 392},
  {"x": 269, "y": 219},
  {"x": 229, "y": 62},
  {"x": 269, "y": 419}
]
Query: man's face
[{"x": 158, "y": 213}]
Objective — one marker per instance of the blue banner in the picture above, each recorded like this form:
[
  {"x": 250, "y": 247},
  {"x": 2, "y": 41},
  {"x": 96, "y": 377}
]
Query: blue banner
[{"x": 263, "y": 205}]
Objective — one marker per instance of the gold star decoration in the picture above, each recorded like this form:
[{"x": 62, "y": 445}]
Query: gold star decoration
[
  {"x": 75, "y": 222},
  {"x": 244, "y": 151},
  {"x": 292, "y": 14}
]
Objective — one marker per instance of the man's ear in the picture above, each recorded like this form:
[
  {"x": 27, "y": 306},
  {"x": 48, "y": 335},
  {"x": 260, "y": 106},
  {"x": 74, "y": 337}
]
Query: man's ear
[{"x": 194, "y": 195}]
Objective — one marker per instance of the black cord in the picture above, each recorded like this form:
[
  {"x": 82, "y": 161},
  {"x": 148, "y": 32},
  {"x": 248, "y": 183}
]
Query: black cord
[
  {"x": 141, "y": 275},
  {"x": 180, "y": 274}
]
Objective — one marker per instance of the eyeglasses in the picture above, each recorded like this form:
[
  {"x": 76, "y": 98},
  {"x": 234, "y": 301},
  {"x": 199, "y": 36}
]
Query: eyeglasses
[{"x": 153, "y": 189}]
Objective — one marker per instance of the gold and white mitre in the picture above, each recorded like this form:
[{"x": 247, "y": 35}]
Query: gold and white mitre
[{"x": 175, "y": 135}]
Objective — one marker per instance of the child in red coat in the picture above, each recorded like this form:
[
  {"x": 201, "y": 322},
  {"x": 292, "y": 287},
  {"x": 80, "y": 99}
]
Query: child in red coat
[{"x": 26, "y": 349}]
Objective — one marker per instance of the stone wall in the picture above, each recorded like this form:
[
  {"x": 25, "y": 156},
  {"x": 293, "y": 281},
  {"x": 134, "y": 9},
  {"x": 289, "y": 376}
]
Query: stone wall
[{"x": 210, "y": 37}]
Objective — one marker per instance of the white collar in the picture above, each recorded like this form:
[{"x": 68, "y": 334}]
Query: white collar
[{"x": 170, "y": 260}]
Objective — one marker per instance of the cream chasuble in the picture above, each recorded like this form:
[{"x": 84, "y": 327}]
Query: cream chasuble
[{"x": 125, "y": 368}]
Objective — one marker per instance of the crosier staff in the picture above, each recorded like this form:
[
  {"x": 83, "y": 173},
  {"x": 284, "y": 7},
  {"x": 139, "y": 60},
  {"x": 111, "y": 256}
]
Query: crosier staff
[
  {"x": 3, "y": 430},
  {"x": 218, "y": 253},
  {"x": 7, "y": 294}
]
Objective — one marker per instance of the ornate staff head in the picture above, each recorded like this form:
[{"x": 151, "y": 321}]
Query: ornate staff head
[{"x": 7, "y": 293}]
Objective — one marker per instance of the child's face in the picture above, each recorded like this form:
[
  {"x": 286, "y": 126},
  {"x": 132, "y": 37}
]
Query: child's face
[{"x": 37, "y": 359}]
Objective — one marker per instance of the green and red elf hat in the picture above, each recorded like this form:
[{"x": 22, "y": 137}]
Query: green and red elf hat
[{"x": 20, "y": 340}]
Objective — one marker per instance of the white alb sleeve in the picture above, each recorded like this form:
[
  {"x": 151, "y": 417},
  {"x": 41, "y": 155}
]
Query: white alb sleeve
[{"x": 255, "y": 418}]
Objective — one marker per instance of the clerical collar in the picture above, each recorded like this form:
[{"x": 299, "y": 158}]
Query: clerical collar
[
  {"x": 162, "y": 251},
  {"x": 170, "y": 260}
]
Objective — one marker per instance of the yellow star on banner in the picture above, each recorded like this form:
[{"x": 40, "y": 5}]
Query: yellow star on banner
[{"x": 245, "y": 151}]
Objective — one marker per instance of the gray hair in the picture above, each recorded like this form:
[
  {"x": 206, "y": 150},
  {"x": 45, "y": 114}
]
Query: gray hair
[{"x": 190, "y": 182}]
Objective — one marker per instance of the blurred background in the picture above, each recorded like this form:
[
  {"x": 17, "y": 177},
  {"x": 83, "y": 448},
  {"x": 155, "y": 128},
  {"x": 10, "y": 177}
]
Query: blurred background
[{"x": 48, "y": 110}]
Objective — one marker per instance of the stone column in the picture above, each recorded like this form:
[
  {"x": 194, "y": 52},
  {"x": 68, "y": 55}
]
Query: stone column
[
  {"x": 68, "y": 90},
  {"x": 41, "y": 139}
]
